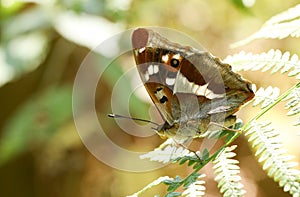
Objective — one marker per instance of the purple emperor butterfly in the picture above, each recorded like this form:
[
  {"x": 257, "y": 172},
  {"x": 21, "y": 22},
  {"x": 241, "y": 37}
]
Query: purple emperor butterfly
[{"x": 190, "y": 88}]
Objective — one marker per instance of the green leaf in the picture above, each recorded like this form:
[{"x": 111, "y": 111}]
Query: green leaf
[
  {"x": 36, "y": 121},
  {"x": 240, "y": 5},
  {"x": 173, "y": 184},
  {"x": 190, "y": 180},
  {"x": 173, "y": 194},
  {"x": 23, "y": 54},
  {"x": 205, "y": 154}
]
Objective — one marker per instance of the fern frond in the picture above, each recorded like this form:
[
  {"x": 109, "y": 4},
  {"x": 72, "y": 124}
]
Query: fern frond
[
  {"x": 227, "y": 172},
  {"x": 279, "y": 26},
  {"x": 293, "y": 104},
  {"x": 269, "y": 149},
  {"x": 154, "y": 183},
  {"x": 265, "y": 61},
  {"x": 266, "y": 97},
  {"x": 166, "y": 152},
  {"x": 291, "y": 13},
  {"x": 195, "y": 189}
]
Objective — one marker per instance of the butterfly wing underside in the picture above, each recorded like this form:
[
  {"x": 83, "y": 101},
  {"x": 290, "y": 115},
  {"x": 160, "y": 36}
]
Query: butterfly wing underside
[{"x": 185, "y": 84}]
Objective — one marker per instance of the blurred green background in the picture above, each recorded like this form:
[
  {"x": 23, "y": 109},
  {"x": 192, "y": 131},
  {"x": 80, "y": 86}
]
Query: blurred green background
[{"x": 43, "y": 44}]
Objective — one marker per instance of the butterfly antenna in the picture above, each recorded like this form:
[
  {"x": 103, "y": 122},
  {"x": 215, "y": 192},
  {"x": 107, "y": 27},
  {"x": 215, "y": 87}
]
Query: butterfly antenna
[{"x": 137, "y": 119}]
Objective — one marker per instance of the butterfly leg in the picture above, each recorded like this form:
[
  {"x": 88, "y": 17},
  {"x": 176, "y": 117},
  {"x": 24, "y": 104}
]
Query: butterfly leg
[
  {"x": 223, "y": 127},
  {"x": 229, "y": 122},
  {"x": 185, "y": 147}
]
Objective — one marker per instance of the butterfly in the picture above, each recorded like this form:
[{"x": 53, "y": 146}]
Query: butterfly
[{"x": 191, "y": 89}]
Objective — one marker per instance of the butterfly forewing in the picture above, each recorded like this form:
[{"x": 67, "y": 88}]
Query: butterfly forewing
[{"x": 154, "y": 73}]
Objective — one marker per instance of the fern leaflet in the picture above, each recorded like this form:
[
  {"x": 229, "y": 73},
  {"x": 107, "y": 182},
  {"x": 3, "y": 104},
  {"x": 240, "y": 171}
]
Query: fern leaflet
[
  {"x": 227, "y": 173},
  {"x": 266, "y": 97},
  {"x": 279, "y": 26},
  {"x": 293, "y": 104},
  {"x": 268, "y": 148},
  {"x": 166, "y": 152},
  {"x": 265, "y": 61},
  {"x": 196, "y": 188}
]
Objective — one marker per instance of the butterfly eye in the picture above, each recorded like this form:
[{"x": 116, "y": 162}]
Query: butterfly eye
[{"x": 174, "y": 62}]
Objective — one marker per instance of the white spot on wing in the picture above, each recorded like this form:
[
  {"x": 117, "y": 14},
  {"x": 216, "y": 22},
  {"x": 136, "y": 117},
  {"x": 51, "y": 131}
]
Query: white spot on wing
[
  {"x": 150, "y": 69},
  {"x": 170, "y": 81},
  {"x": 209, "y": 94},
  {"x": 202, "y": 89},
  {"x": 176, "y": 56},
  {"x": 185, "y": 86},
  {"x": 195, "y": 88},
  {"x": 160, "y": 94},
  {"x": 155, "y": 69},
  {"x": 165, "y": 58},
  {"x": 141, "y": 50}
]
